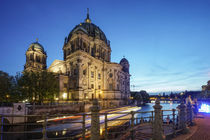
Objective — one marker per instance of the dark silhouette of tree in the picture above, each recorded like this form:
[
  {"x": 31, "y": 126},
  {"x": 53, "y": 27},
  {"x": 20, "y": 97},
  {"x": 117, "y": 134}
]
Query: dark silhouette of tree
[
  {"x": 39, "y": 86},
  {"x": 5, "y": 86},
  {"x": 145, "y": 96}
]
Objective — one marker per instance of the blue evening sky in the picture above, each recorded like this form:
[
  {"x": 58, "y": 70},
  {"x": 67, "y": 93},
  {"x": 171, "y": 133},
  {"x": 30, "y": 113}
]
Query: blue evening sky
[{"x": 167, "y": 42}]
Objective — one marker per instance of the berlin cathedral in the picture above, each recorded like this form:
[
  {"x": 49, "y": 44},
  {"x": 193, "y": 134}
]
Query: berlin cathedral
[{"x": 86, "y": 71}]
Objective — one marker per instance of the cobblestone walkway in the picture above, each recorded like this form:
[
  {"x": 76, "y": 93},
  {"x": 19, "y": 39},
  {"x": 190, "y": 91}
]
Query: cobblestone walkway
[{"x": 203, "y": 130}]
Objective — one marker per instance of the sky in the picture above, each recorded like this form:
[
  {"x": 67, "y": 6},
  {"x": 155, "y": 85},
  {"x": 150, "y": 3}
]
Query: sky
[{"x": 167, "y": 42}]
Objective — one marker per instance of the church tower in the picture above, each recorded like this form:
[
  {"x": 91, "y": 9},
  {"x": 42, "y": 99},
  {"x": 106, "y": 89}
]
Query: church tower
[{"x": 35, "y": 58}]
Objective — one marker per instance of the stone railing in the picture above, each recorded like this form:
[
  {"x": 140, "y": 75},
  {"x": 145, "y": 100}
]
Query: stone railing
[{"x": 96, "y": 125}]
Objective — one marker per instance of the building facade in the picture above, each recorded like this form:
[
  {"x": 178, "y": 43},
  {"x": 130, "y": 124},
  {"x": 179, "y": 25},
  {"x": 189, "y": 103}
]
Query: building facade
[{"x": 86, "y": 72}]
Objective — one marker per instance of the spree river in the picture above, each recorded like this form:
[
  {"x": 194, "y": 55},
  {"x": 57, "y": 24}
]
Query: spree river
[{"x": 166, "y": 105}]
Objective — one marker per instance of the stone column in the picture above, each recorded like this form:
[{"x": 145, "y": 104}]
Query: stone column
[
  {"x": 157, "y": 126},
  {"x": 189, "y": 114},
  {"x": 95, "y": 122},
  {"x": 182, "y": 117}
]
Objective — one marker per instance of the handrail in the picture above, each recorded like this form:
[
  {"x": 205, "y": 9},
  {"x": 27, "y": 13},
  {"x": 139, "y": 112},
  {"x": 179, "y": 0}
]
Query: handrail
[{"x": 125, "y": 121}]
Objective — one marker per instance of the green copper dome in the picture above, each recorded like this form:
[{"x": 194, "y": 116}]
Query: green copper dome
[{"x": 36, "y": 47}]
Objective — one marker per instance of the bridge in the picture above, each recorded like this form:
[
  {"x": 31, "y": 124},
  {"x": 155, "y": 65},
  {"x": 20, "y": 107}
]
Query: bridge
[{"x": 165, "y": 99}]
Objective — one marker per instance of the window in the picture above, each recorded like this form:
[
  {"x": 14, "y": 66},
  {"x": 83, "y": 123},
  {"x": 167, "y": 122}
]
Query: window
[
  {"x": 99, "y": 76},
  {"x": 75, "y": 71},
  {"x": 31, "y": 57},
  {"x": 37, "y": 59},
  {"x": 118, "y": 87},
  {"x": 92, "y": 74},
  {"x": 92, "y": 52},
  {"x": 84, "y": 72},
  {"x": 65, "y": 85},
  {"x": 92, "y": 86},
  {"x": 110, "y": 86},
  {"x": 110, "y": 75},
  {"x": 99, "y": 87}
]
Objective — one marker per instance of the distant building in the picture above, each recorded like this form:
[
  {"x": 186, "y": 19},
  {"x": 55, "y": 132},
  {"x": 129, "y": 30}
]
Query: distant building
[
  {"x": 206, "y": 88},
  {"x": 86, "y": 71}
]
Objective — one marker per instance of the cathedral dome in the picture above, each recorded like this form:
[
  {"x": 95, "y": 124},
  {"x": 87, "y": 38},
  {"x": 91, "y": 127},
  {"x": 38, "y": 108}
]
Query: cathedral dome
[
  {"x": 36, "y": 47},
  {"x": 124, "y": 60},
  {"x": 125, "y": 64},
  {"x": 90, "y": 29}
]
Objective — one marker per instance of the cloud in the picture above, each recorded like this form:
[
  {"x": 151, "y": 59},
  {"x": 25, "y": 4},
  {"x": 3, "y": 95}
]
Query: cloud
[{"x": 171, "y": 81}]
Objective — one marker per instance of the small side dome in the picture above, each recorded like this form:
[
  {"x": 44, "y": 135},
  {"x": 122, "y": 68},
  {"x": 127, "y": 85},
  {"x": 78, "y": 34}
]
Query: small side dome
[
  {"x": 36, "y": 47},
  {"x": 125, "y": 64},
  {"x": 124, "y": 60}
]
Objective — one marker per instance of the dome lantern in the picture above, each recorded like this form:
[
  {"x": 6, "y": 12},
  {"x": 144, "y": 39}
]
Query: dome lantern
[{"x": 87, "y": 20}]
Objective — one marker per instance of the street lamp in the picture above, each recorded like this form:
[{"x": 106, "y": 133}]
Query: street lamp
[{"x": 64, "y": 95}]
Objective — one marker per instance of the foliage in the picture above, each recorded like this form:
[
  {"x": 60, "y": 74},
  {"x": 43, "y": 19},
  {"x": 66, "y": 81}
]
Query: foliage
[
  {"x": 141, "y": 96},
  {"x": 5, "y": 86},
  {"x": 33, "y": 86},
  {"x": 145, "y": 96},
  {"x": 38, "y": 86}
]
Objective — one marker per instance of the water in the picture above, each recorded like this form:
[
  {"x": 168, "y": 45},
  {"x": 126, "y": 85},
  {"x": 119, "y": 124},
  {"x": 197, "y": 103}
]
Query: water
[{"x": 168, "y": 105}]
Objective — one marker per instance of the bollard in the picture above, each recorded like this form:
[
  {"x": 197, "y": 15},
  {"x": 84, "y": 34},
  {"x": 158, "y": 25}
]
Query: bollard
[
  {"x": 44, "y": 132},
  {"x": 174, "y": 124},
  {"x": 83, "y": 126},
  {"x": 157, "y": 127},
  {"x": 189, "y": 114},
  {"x": 106, "y": 127},
  {"x": 182, "y": 117},
  {"x": 95, "y": 123}
]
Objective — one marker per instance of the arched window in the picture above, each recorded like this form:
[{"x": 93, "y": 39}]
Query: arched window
[
  {"x": 68, "y": 52},
  {"x": 72, "y": 47},
  {"x": 37, "y": 58},
  {"x": 31, "y": 57}
]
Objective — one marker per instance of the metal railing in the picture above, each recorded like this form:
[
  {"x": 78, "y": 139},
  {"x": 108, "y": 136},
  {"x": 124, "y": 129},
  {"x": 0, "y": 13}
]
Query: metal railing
[{"x": 114, "y": 125}]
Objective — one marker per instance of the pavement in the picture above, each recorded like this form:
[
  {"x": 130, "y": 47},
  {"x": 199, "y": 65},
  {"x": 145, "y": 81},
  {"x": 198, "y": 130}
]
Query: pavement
[{"x": 201, "y": 130}]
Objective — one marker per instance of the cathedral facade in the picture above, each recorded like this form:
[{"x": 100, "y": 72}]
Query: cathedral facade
[{"x": 86, "y": 72}]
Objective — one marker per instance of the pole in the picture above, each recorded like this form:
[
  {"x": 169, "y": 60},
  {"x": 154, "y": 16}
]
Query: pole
[
  {"x": 44, "y": 132},
  {"x": 174, "y": 124},
  {"x": 157, "y": 127},
  {"x": 83, "y": 126},
  {"x": 106, "y": 127},
  {"x": 132, "y": 125},
  {"x": 95, "y": 122}
]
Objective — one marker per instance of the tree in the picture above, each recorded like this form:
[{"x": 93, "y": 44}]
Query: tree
[
  {"x": 145, "y": 96},
  {"x": 38, "y": 86},
  {"x": 5, "y": 86},
  {"x": 140, "y": 97}
]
